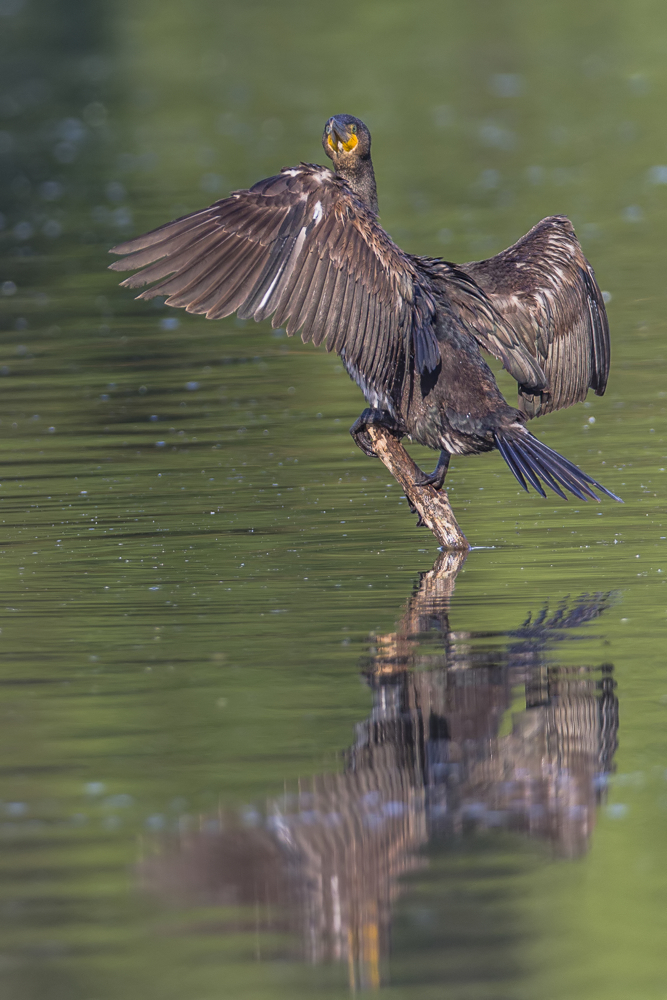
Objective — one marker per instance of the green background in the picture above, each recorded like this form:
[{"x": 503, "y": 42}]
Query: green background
[{"x": 143, "y": 561}]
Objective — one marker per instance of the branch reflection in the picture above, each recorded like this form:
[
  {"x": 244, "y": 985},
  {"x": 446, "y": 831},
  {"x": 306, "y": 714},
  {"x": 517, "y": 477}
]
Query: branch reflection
[{"x": 467, "y": 732}]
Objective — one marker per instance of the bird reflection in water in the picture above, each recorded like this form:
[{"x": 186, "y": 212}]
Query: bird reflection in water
[{"x": 463, "y": 736}]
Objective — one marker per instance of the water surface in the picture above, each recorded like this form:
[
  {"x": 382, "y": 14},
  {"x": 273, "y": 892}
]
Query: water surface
[{"x": 258, "y": 738}]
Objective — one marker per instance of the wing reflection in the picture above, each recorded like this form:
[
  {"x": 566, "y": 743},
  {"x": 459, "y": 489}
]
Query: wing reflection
[{"x": 467, "y": 732}]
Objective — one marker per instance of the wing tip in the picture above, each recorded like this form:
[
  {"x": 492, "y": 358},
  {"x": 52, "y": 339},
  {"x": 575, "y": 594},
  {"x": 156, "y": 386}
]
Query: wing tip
[
  {"x": 120, "y": 265},
  {"x": 129, "y": 246}
]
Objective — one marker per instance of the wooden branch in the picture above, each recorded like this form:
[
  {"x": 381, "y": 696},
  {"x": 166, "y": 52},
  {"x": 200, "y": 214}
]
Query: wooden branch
[{"x": 432, "y": 505}]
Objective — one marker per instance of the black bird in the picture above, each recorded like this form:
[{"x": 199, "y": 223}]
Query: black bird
[{"x": 305, "y": 247}]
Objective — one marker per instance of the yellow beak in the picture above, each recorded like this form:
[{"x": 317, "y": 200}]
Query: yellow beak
[{"x": 341, "y": 141}]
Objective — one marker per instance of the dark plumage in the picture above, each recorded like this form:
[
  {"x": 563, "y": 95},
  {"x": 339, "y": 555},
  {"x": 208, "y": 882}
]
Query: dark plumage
[{"x": 306, "y": 248}]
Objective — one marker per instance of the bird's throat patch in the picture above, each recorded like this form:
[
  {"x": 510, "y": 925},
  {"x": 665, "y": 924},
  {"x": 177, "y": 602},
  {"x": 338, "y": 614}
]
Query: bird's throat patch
[{"x": 347, "y": 146}]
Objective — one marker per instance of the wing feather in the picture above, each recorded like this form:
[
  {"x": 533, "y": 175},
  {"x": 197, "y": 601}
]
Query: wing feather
[
  {"x": 315, "y": 293},
  {"x": 342, "y": 323},
  {"x": 353, "y": 333},
  {"x": 230, "y": 297},
  {"x": 546, "y": 290},
  {"x": 170, "y": 230},
  {"x": 176, "y": 264},
  {"x": 335, "y": 308},
  {"x": 301, "y": 292},
  {"x": 171, "y": 249},
  {"x": 369, "y": 342},
  {"x": 302, "y": 249},
  {"x": 198, "y": 296},
  {"x": 297, "y": 312},
  {"x": 324, "y": 307},
  {"x": 280, "y": 272}
]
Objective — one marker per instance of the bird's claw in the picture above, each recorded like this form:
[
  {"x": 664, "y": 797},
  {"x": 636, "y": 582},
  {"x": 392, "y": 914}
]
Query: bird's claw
[
  {"x": 435, "y": 479},
  {"x": 363, "y": 441},
  {"x": 359, "y": 429}
]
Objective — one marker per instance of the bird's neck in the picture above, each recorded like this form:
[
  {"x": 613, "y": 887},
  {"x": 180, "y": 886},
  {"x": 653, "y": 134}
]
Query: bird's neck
[{"x": 361, "y": 178}]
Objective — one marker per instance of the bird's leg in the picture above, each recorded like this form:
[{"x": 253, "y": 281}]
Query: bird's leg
[
  {"x": 437, "y": 477},
  {"x": 368, "y": 417}
]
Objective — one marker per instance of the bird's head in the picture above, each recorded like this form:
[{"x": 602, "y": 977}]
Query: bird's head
[{"x": 346, "y": 140}]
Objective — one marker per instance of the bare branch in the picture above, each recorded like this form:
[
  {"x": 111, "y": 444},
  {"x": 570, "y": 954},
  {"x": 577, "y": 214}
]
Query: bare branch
[{"x": 432, "y": 505}]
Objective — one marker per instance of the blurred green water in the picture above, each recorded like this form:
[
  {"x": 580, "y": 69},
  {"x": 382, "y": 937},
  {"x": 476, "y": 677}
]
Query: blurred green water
[{"x": 194, "y": 554}]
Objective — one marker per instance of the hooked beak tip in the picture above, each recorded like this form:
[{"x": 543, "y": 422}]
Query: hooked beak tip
[{"x": 339, "y": 132}]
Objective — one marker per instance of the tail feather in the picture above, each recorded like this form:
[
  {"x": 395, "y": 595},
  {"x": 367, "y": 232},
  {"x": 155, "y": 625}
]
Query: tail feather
[
  {"x": 544, "y": 472},
  {"x": 529, "y": 474},
  {"x": 550, "y": 481},
  {"x": 529, "y": 459},
  {"x": 572, "y": 477},
  {"x": 519, "y": 468}
]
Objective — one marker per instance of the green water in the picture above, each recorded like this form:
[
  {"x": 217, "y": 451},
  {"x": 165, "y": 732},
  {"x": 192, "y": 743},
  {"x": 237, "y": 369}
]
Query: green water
[{"x": 251, "y": 745}]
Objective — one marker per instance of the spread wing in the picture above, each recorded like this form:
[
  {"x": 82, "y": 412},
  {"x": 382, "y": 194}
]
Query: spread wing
[
  {"x": 301, "y": 248},
  {"x": 463, "y": 305},
  {"x": 544, "y": 287}
]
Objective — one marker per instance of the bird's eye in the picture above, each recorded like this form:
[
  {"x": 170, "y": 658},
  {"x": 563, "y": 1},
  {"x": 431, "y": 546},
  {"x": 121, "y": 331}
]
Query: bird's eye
[
  {"x": 328, "y": 130},
  {"x": 353, "y": 129}
]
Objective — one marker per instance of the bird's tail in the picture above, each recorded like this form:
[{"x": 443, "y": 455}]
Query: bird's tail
[{"x": 531, "y": 461}]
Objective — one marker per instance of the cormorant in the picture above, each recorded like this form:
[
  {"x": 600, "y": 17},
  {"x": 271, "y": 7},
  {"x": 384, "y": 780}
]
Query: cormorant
[{"x": 306, "y": 248}]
